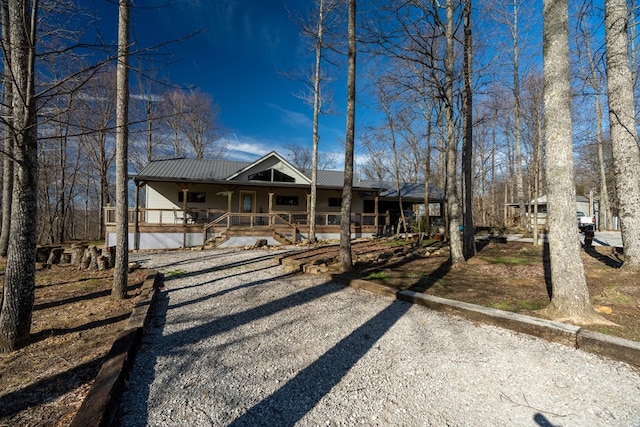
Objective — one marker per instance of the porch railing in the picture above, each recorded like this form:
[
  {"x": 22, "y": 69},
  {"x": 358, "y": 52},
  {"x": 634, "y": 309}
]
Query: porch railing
[
  {"x": 166, "y": 216},
  {"x": 258, "y": 221},
  {"x": 207, "y": 216}
]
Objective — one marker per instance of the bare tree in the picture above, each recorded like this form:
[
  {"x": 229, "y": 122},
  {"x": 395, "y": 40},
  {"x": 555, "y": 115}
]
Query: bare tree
[
  {"x": 570, "y": 295},
  {"x": 198, "y": 125},
  {"x": 593, "y": 79},
  {"x": 453, "y": 201},
  {"x": 346, "y": 262},
  {"x": 19, "y": 280},
  {"x": 469, "y": 244},
  {"x": 96, "y": 117},
  {"x": 7, "y": 146},
  {"x": 626, "y": 155},
  {"x": 191, "y": 117},
  {"x": 301, "y": 157},
  {"x": 120, "y": 273}
]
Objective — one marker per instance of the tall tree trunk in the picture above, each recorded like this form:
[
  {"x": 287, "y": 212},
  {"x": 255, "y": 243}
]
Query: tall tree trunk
[
  {"x": 453, "y": 202},
  {"x": 7, "y": 166},
  {"x": 570, "y": 295},
  {"x": 119, "y": 289},
  {"x": 345, "y": 222},
  {"x": 316, "y": 115},
  {"x": 626, "y": 156},
  {"x": 19, "y": 280},
  {"x": 469, "y": 243},
  {"x": 516, "y": 110}
]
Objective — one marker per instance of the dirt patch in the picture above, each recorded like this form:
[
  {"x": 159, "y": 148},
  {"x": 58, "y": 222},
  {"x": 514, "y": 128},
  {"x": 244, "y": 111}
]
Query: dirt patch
[
  {"x": 74, "y": 324},
  {"x": 510, "y": 276}
]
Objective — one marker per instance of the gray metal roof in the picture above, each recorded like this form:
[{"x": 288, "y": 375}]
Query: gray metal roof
[
  {"x": 190, "y": 169},
  {"x": 207, "y": 170},
  {"x": 410, "y": 191}
]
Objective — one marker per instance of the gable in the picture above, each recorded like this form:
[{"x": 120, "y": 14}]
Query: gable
[{"x": 270, "y": 168}]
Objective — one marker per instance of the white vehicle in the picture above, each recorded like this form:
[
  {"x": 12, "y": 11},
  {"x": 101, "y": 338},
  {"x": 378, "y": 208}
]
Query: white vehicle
[{"x": 586, "y": 222}]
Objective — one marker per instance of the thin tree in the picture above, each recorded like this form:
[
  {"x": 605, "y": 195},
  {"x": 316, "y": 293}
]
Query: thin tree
[
  {"x": 19, "y": 280},
  {"x": 570, "y": 295},
  {"x": 7, "y": 158},
  {"x": 469, "y": 244},
  {"x": 456, "y": 256},
  {"x": 624, "y": 141},
  {"x": 594, "y": 80},
  {"x": 316, "y": 114},
  {"x": 120, "y": 273},
  {"x": 346, "y": 262}
]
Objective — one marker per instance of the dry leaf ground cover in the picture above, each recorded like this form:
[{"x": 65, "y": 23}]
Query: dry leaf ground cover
[{"x": 74, "y": 324}]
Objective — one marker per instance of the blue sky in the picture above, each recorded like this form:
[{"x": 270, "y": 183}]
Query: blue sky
[{"x": 236, "y": 59}]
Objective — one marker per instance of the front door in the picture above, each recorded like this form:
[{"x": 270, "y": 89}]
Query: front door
[{"x": 247, "y": 205}]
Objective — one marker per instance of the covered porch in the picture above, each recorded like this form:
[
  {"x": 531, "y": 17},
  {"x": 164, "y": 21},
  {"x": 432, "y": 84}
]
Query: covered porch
[{"x": 191, "y": 227}]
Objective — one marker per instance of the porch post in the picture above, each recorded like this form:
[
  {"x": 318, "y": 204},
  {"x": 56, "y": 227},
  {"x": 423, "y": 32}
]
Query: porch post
[
  {"x": 375, "y": 211},
  {"x": 185, "y": 191},
  {"x": 309, "y": 209},
  {"x": 229, "y": 196},
  {"x": 136, "y": 222},
  {"x": 270, "y": 209}
]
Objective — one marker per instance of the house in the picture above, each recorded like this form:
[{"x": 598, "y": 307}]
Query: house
[
  {"x": 191, "y": 202},
  {"x": 583, "y": 204}
]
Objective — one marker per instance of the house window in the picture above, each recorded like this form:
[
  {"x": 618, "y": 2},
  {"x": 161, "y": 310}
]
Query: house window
[
  {"x": 335, "y": 202},
  {"x": 192, "y": 197},
  {"x": 271, "y": 175},
  {"x": 261, "y": 176},
  {"x": 287, "y": 200}
]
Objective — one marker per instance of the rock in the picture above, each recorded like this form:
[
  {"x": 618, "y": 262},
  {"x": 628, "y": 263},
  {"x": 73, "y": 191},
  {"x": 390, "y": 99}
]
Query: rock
[{"x": 603, "y": 309}]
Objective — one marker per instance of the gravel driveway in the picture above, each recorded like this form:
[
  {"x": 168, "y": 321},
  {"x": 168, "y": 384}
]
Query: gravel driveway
[{"x": 234, "y": 340}]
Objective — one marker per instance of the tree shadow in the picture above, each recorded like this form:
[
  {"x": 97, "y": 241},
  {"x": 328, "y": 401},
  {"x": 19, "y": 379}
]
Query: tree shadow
[
  {"x": 290, "y": 403},
  {"x": 604, "y": 259},
  {"x": 85, "y": 297},
  {"x": 431, "y": 279},
  {"x": 295, "y": 395},
  {"x": 542, "y": 421},
  {"x": 546, "y": 266},
  {"x": 48, "y": 388},
  {"x": 47, "y": 333}
]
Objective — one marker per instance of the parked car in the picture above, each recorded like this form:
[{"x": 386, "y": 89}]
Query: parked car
[{"x": 586, "y": 222}]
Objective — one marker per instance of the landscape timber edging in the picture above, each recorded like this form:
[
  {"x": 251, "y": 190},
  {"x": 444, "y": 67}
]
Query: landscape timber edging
[
  {"x": 101, "y": 403},
  {"x": 592, "y": 342}
]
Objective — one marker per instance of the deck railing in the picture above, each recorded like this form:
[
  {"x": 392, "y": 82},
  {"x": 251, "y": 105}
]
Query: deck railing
[
  {"x": 166, "y": 216},
  {"x": 206, "y": 216},
  {"x": 250, "y": 221}
]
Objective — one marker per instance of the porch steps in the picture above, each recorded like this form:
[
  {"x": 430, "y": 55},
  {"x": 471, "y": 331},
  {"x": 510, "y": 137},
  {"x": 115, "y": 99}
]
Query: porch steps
[
  {"x": 282, "y": 239},
  {"x": 215, "y": 242}
]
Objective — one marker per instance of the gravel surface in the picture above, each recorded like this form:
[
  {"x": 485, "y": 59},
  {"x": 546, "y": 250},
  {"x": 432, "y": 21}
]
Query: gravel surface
[{"x": 234, "y": 340}]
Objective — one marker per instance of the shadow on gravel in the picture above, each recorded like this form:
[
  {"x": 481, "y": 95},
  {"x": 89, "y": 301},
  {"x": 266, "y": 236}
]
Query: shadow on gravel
[
  {"x": 296, "y": 398},
  {"x": 220, "y": 267}
]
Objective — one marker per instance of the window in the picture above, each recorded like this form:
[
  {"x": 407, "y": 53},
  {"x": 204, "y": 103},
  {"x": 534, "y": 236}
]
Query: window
[
  {"x": 192, "y": 197},
  {"x": 261, "y": 176},
  {"x": 281, "y": 177},
  {"x": 271, "y": 175},
  {"x": 287, "y": 200},
  {"x": 335, "y": 202}
]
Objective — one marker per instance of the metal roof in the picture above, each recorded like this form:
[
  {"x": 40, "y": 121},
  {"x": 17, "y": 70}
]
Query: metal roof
[
  {"x": 208, "y": 170},
  {"x": 410, "y": 191},
  {"x": 190, "y": 169}
]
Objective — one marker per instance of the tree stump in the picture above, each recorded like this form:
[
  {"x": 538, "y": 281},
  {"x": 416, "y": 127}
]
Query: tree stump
[
  {"x": 111, "y": 256},
  {"x": 102, "y": 262},
  {"x": 77, "y": 253},
  {"x": 65, "y": 258},
  {"x": 42, "y": 253},
  {"x": 54, "y": 256}
]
